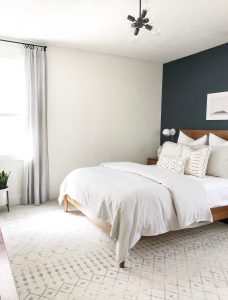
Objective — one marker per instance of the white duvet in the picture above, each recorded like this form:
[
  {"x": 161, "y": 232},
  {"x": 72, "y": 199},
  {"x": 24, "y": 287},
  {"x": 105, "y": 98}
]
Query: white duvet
[{"x": 137, "y": 200}]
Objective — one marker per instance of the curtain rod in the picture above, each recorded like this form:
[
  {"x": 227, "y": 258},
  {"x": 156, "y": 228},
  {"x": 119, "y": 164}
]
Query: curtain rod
[{"x": 10, "y": 41}]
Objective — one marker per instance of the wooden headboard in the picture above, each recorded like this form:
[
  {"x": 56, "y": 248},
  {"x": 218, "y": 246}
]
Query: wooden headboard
[{"x": 196, "y": 134}]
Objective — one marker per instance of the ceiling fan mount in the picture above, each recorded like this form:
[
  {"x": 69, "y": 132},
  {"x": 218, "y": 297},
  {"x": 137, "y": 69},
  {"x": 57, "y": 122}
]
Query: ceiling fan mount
[{"x": 141, "y": 21}]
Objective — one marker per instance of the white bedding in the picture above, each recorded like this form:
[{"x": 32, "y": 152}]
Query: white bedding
[
  {"x": 216, "y": 189},
  {"x": 138, "y": 200}
]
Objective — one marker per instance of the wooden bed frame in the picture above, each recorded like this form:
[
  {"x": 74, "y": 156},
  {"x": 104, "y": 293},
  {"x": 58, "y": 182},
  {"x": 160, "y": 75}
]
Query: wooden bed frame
[{"x": 218, "y": 213}]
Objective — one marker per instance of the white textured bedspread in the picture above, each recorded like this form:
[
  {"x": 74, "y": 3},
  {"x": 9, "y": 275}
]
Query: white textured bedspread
[{"x": 137, "y": 200}]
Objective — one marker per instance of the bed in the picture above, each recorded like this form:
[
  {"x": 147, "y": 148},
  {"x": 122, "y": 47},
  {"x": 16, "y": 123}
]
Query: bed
[{"x": 131, "y": 200}]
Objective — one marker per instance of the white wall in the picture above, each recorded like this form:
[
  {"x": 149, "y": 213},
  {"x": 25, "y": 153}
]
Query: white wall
[{"x": 100, "y": 108}]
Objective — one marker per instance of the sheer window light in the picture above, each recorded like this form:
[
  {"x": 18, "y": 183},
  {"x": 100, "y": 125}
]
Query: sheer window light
[{"x": 12, "y": 107}]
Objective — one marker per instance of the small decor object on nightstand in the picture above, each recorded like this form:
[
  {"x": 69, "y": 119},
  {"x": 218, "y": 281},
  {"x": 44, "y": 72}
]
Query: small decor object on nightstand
[
  {"x": 152, "y": 160},
  {"x": 4, "y": 192}
]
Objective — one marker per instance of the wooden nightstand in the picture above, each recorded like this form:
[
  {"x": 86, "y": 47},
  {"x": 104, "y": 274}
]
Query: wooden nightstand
[{"x": 152, "y": 161}]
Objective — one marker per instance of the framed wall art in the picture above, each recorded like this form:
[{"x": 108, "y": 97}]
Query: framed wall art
[{"x": 217, "y": 106}]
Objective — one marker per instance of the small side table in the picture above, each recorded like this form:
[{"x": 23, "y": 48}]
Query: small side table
[{"x": 152, "y": 161}]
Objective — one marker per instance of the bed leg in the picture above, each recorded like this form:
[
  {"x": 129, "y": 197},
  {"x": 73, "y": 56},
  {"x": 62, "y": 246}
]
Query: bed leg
[
  {"x": 122, "y": 264},
  {"x": 65, "y": 204}
]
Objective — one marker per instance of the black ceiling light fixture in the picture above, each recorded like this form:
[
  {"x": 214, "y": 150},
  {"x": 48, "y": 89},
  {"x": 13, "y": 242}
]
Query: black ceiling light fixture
[{"x": 141, "y": 21}]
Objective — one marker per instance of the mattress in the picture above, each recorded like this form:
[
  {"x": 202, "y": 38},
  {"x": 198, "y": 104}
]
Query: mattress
[{"x": 216, "y": 189}]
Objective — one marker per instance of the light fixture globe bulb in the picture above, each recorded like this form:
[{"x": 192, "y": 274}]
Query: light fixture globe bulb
[
  {"x": 166, "y": 132},
  {"x": 156, "y": 31},
  {"x": 172, "y": 131}
]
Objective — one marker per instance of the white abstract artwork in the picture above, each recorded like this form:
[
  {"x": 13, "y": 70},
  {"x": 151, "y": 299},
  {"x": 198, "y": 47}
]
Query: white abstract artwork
[{"x": 217, "y": 106}]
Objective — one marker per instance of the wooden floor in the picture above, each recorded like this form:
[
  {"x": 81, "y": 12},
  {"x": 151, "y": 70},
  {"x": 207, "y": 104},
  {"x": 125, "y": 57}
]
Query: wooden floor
[{"x": 7, "y": 286}]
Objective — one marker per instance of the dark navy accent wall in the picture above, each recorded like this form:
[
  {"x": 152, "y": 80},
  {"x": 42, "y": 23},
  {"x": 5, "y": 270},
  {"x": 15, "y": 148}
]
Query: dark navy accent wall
[{"x": 186, "y": 83}]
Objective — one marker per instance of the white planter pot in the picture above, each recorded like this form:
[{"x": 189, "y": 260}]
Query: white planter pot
[{"x": 3, "y": 197}]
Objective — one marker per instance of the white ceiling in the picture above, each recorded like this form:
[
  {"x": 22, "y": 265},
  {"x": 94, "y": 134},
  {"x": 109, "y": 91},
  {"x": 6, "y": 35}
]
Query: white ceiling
[{"x": 186, "y": 26}]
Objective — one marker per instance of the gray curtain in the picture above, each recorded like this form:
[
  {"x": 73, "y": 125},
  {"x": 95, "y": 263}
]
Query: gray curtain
[{"x": 36, "y": 175}]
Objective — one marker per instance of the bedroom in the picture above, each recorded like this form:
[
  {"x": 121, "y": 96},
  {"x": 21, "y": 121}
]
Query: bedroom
[{"x": 109, "y": 96}]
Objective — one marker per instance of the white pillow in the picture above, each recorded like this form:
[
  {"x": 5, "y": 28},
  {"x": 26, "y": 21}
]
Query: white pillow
[
  {"x": 193, "y": 159},
  {"x": 172, "y": 163},
  {"x": 171, "y": 149},
  {"x": 218, "y": 162},
  {"x": 196, "y": 161},
  {"x": 184, "y": 139},
  {"x": 214, "y": 140}
]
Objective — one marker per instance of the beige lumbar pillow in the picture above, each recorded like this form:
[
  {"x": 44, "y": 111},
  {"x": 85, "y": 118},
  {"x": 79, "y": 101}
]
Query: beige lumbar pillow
[
  {"x": 196, "y": 161},
  {"x": 184, "y": 139}
]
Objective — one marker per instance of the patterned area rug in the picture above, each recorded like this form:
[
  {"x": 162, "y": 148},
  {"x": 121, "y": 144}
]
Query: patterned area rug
[{"x": 55, "y": 255}]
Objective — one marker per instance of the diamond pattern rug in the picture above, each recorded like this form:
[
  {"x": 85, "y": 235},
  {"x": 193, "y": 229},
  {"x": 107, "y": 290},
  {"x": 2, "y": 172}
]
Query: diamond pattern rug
[{"x": 55, "y": 255}]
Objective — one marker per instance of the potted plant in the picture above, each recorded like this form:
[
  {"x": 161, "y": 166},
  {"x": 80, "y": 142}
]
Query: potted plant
[{"x": 3, "y": 187}]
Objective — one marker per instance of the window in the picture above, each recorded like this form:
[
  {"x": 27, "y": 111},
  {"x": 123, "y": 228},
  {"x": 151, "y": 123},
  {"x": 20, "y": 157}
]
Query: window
[{"x": 12, "y": 106}]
